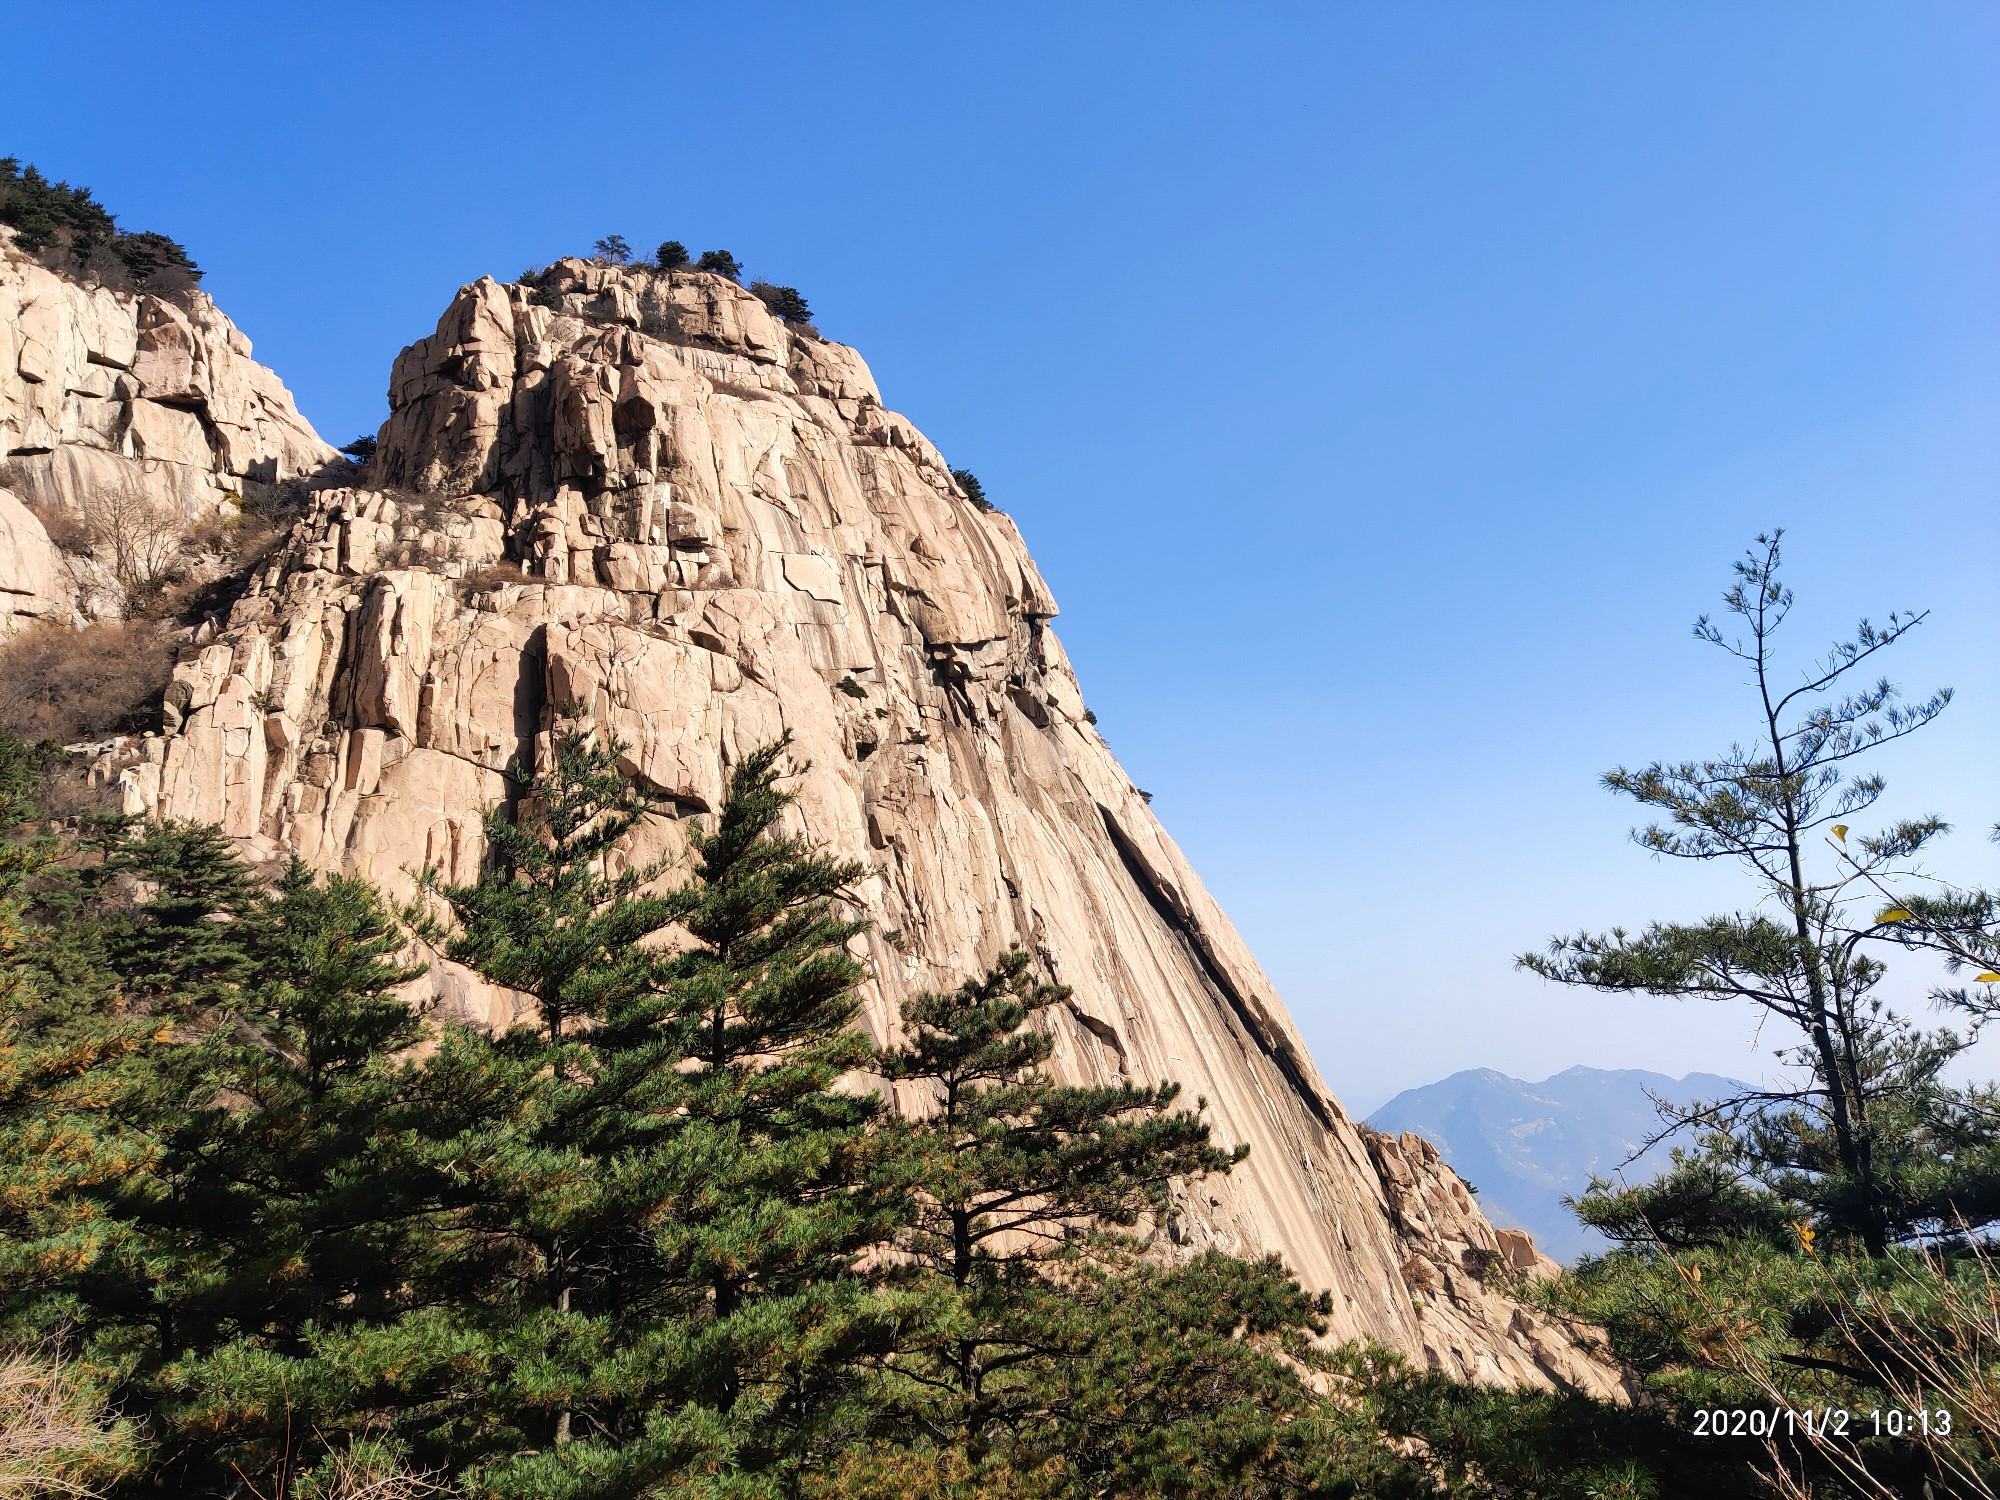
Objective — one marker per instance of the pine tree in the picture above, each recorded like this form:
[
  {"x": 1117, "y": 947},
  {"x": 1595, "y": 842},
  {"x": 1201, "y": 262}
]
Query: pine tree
[
  {"x": 264, "y": 1203},
  {"x": 62, "y": 1040},
  {"x": 778, "y": 1222},
  {"x": 22, "y": 855},
  {"x": 1856, "y": 1146},
  {"x": 188, "y": 935},
  {"x": 556, "y": 1185},
  {"x": 1025, "y": 1195},
  {"x": 721, "y": 262},
  {"x": 661, "y": 1162}
]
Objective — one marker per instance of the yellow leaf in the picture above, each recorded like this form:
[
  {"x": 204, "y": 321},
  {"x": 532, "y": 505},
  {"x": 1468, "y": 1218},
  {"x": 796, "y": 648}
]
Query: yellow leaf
[
  {"x": 1989, "y": 977},
  {"x": 1840, "y": 832},
  {"x": 1894, "y": 914}
]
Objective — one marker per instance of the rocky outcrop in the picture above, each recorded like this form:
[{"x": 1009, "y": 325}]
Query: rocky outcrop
[
  {"x": 1459, "y": 1266},
  {"x": 33, "y": 585},
  {"x": 641, "y": 493},
  {"x": 152, "y": 399}
]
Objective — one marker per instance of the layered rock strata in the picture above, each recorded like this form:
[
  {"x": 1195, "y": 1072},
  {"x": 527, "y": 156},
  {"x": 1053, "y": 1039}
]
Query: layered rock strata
[{"x": 641, "y": 493}]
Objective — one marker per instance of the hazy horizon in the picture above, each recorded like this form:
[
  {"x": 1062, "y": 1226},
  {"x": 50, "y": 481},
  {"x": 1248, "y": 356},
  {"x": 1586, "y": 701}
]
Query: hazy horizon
[{"x": 1382, "y": 390}]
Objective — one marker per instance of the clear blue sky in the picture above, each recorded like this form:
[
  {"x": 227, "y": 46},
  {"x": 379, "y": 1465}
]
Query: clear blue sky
[{"x": 1382, "y": 387}]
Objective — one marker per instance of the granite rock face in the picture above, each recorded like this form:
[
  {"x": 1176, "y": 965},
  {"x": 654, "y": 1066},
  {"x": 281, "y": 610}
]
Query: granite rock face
[
  {"x": 640, "y": 492},
  {"x": 149, "y": 403},
  {"x": 33, "y": 585}
]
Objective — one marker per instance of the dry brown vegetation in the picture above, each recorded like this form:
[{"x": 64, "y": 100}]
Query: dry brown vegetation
[
  {"x": 54, "y": 1436},
  {"x": 65, "y": 685},
  {"x": 143, "y": 541},
  {"x": 348, "y": 1477},
  {"x": 496, "y": 575},
  {"x": 165, "y": 565}
]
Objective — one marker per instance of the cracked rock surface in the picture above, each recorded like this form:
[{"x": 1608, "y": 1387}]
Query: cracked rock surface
[
  {"x": 154, "y": 400},
  {"x": 640, "y": 492},
  {"x": 103, "y": 390}
]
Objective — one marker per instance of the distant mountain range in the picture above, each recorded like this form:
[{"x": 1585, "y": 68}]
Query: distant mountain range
[{"x": 1527, "y": 1145}]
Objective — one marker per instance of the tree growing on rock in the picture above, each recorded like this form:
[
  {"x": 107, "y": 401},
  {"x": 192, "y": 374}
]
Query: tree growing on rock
[
  {"x": 671, "y": 256},
  {"x": 613, "y": 250},
  {"x": 69, "y": 230},
  {"x": 721, "y": 262},
  {"x": 785, "y": 302},
  {"x": 968, "y": 482}
]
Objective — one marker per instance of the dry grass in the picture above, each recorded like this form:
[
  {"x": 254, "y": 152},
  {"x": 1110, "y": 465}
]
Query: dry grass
[
  {"x": 66, "y": 685},
  {"x": 497, "y": 575},
  {"x": 352, "y": 1479},
  {"x": 1930, "y": 1341},
  {"x": 55, "y": 1437}
]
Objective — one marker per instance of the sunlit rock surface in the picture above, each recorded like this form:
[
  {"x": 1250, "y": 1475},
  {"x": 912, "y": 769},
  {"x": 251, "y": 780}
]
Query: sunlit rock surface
[{"x": 655, "y": 500}]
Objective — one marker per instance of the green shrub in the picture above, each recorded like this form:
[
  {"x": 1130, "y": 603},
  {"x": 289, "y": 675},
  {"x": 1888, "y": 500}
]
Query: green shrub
[
  {"x": 671, "y": 256},
  {"x": 68, "y": 230},
  {"x": 785, "y": 302},
  {"x": 974, "y": 490},
  {"x": 721, "y": 262}
]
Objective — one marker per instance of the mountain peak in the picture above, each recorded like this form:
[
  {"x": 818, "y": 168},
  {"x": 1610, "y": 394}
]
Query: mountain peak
[
  {"x": 647, "y": 496},
  {"x": 1528, "y": 1145}
]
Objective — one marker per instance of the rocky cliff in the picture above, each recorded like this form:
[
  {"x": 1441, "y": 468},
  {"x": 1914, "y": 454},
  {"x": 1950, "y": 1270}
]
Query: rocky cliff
[
  {"x": 1532, "y": 1146},
  {"x": 640, "y": 492},
  {"x": 150, "y": 404}
]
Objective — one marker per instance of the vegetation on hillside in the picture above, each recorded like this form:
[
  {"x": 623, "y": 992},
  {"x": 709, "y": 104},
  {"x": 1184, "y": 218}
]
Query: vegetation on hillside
[
  {"x": 973, "y": 490},
  {"x": 144, "y": 577},
  {"x": 1819, "y": 1245},
  {"x": 68, "y": 230},
  {"x": 274, "y": 1232}
]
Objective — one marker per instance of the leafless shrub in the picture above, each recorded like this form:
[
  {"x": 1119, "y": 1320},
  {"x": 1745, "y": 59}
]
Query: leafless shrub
[
  {"x": 365, "y": 1471},
  {"x": 143, "y": 540},
  {"x": 354, "y": 1480},
  {"x": 62, "y": 684},
  {"x": 64, "y": 527},
  {"x": 55, "y": 1436}
]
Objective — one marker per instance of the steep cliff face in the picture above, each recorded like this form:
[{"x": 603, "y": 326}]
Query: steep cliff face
[
  {"x": 150, "y": 403},
  {"x": 33, "y": 586},
  {"x": 656, "y": 500}
]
